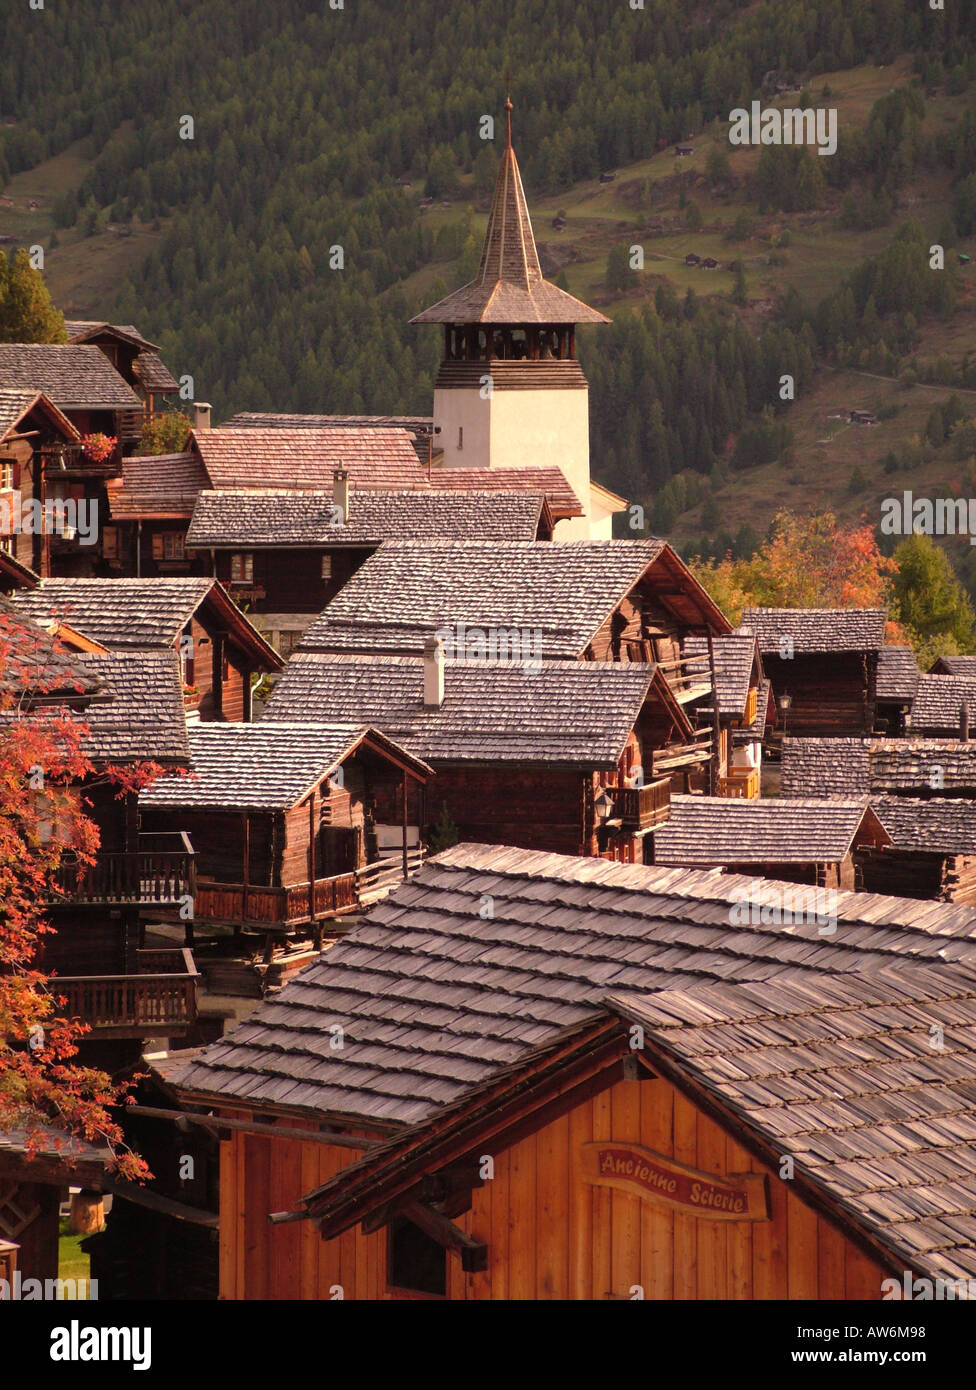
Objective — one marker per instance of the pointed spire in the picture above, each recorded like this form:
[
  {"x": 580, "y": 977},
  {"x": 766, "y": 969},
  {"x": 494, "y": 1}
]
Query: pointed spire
[{"x": 509, "y": 286}]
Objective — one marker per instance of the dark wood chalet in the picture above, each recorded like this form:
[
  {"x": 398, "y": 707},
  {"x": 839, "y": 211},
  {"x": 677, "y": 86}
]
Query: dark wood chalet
[
  {"x": 150, "y": 505},
  {"x": 288, "y": 554},
  {"x": 135, "y": 359},
  {"x": 944, "y": 707},
  {"x": 867, "y": 767},
  {"x": 220, "y": 651},
  {"x": 293, "y": 824},
  {"x": 815, "y": 842},
  {"x": 823, "y": 666},
  {"x": 569, "y": 756},
  {"x": 629, "y": 1146},
  {"x": 932, "y": 853},
  {"x": 898, "y": 677}
]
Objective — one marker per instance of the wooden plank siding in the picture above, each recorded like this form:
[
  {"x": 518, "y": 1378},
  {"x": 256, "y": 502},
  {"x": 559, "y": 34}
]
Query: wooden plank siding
[{"x": 550, "y": 1234}]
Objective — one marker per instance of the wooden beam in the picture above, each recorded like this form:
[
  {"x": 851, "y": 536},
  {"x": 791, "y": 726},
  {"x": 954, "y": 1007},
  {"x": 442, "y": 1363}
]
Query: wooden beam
[{"x": 473, "y": 1253}]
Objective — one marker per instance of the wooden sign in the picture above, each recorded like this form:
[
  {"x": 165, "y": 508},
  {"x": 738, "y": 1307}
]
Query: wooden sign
[{"x": 656, "y": 1178}]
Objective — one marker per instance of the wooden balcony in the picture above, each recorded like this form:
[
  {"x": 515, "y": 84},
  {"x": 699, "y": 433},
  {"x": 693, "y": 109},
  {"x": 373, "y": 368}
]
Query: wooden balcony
[
  {"x": 257, "y": 905},
  {"x": 160, "y": 1000},
  {"x": 641, "y": 808},
  {"x": 741, "y": 782},
  {"x": 70, "y": 460},
  {"x": 157, "y": 875}
]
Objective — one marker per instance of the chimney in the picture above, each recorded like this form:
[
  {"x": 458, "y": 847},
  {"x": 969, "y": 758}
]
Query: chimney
[
  {"x": 201, "y": 415},
  {"x": 340, "y": 491},
  {"x": 433, "y": 673},
  {"x": 964, "y": 722}
]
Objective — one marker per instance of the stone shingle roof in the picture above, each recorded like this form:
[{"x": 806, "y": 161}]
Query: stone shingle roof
[
  {"x": 898, "y": 674},
  {"x": 256, "y": 519},
  {"x": 264, "y": 766},
  {"x": 816, "y": 630},
  {"x": 306, "y": 459},
  {"x": 705, "y": 830},
  {"x": 932, "y": 825},
  {"x": 509, "y": 286},
  {"x": 144, "y": 722},
  {"x": 436, "y": 997},
  {"x": 408, "y": 589},
  {"x": 118, "y": 612},
  {"x": 938, "y": 701},
  {"x": 564, "y": 712},
  {"x": 735, "y": 657},
  {"x": 839, "y": 1072},
  {"x": 163, "y": 485},
  {"x": 74, "y": 376},
  {"x": 864, "y": 766}
]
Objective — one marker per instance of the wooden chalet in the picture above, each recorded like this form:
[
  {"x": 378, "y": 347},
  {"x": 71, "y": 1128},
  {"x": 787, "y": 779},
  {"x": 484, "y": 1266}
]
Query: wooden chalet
[
  {"x": 932, "y": 852},
  {"x": 293, "y": 824},
  {"x": 898, "y": 677},
  {"x": 135, "y": 359},
  {"x": 220, "y": 651},
  {"x": 290, "y": 553},
  {"x": 735, "y": 664},
  {"x": 150, "y": 504},
  {"x": 573, "y": 1096},
  {"x": 570, "y": 756},
  {"x": 944, "y": 707},
  {"x": 39, "y": 463},
  {"x": 866, "y": 767},
  {"x": 807, "y": 841},
  {"x": 823, "y": 666}
]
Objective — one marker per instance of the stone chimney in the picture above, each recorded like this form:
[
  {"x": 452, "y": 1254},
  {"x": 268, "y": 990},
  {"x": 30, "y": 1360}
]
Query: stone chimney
[
  {"x": 340, "y": 491},
  {"x": 433, "y": 673},
  {"x": 201, "y": 415}
]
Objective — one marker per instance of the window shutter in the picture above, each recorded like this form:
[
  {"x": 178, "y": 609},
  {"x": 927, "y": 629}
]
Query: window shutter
[{"x": 157, "y": 547}]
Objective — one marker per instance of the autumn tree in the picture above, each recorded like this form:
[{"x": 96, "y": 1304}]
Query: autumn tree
[{"x": 43, "y": 767}]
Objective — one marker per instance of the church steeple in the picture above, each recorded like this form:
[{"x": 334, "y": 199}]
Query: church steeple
[{"x": 509, "y": 287}]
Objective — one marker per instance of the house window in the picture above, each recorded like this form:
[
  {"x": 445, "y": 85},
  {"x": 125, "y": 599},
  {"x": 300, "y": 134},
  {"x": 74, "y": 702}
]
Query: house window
[
  {"x": 415, "y": 1261},
  {"x": 168, "y": 545},
  {"x": 7, "y": 474},
  {"x": 326, "y": 566},
  {"x": 110, "y": 542},
  {"x": 242, "y": 569}
]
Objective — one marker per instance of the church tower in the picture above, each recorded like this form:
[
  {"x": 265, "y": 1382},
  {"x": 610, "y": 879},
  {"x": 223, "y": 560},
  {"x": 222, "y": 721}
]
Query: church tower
[{"x": 510, "y": 391}]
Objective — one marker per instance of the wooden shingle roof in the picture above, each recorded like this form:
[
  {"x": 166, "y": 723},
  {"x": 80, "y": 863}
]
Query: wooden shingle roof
[
  {"x": 18, "y": 402},
  {"x": 156, "y": 487},
  {"x": 144, "y": 720},
  {"x": 736, "y": 660},
  {"x": 939, "y": 701},
  {"x": 509, "y": 286},
  {"x": 83, "y": 330},
  {"x": 955, "y": 666},
  {"x": 898, "y": 674},
  {"x": 814, "y": 630},
  {"x": 866, "y": 766},
  {"x": 33, "y": 663},
  {"x": 263, "y": 766},
  {"x": 262, "y": 420},
  {"x": 435, "y": 995},
  {"x": 932, "y": 825},
  {"x": 839, "y": 1072},
  {"x": 271, "y": 519},
  {"x": 564, "y": 712},
  {"x": 704, "y": 830},
  {"x": 305, "y": 460},
  {"x": 409, "y": 589},
  {"x": 143, "y": 613},
  {"x": 549, "y": 480},
  {"x": 75, "y": 376}
]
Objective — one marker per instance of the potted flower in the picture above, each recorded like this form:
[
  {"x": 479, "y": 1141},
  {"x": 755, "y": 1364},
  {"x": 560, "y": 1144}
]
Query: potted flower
[{"x": 98, "y": 448}]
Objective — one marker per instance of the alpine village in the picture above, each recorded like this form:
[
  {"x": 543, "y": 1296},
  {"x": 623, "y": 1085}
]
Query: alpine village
[{"x": 418, "y": 885}]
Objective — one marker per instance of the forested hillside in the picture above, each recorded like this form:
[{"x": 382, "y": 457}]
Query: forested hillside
[{"x": 309, "y": 122}]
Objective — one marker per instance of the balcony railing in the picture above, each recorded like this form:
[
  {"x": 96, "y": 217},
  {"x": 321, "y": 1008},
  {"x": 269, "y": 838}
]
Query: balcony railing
[
  {"x": 742, "y": 783},
  {"x": 641, "y": 808},
  {"x": 161, "y": 998},
  {"x": 72, "y": 459},
  {"x": 248, "y": 904},
  {"x": 153, "y": 874}
]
